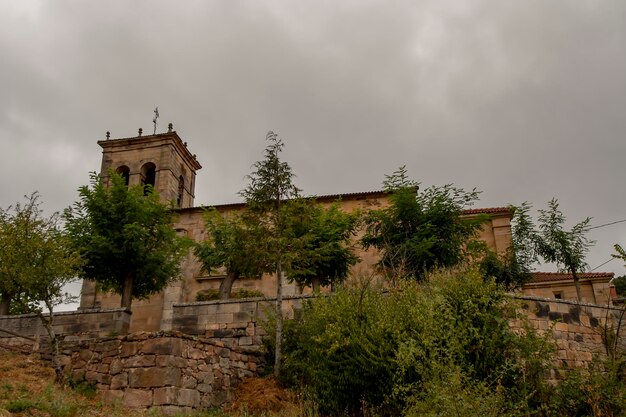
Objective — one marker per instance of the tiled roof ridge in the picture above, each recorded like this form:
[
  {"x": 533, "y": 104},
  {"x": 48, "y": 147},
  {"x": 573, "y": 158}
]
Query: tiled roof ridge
[
  {"x": 563, "y": 276},
  {"x": 485, "y": 210},
  {"x": 581, "y": 274}
]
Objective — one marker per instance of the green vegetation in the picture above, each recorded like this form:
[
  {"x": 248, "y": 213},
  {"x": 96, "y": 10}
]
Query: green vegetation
[
  {"x": 551, "y": 241},
  {"x": 210, "y": 295},
  {"x": 271, "y": 183},
  {"x": 321, "y": 251},
  {"x": 36, "y": 261},
  {"x": 440, "y": 347},
  {"x": 125, "y": 237},
  {"x": 421, "y": 230},
  {"x": 235, "y": 243}
]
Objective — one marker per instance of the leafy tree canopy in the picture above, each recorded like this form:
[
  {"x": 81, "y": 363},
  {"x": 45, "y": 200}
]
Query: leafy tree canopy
[
  {"x": 420, "y": 230},
  {"x": 35, "y": 258},
  {"x": 320, "y": 238},
  {"x": 36, "y": 262},
  {"x": 551, "y": 241},
  {"x": 125, "y": 238},
  {"x": 237, "y": 243}
]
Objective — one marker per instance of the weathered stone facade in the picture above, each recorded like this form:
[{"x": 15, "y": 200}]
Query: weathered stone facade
[{"x": 170, "y": 371}]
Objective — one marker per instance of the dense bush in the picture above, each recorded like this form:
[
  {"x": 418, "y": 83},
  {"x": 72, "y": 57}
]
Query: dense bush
[
  {"x": 393, "y": 351},
  {"x": 211, "y": 295}
]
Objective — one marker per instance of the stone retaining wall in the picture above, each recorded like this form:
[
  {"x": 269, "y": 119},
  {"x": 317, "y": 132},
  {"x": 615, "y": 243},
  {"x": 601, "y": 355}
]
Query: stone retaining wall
[
  {"x": 579, "y": 329},
  {"x": 68, "y": 324},
  {"x": 170, "y": 371},
  {"x": 234, "y": 322}
]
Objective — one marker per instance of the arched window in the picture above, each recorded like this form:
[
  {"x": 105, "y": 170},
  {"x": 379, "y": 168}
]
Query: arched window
[
  {"x": 148, "y": 177},
  {"x": 124, "y": 171},
  {"x": 181, "y": 190}
]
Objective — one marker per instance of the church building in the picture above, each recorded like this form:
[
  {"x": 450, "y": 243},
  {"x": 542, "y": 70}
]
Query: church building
[{"x": 165, "y": 161}]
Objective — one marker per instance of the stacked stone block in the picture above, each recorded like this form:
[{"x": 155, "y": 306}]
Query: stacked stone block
[
  {"x": 232, "y": 322},
  {"x": 578, "y": 329},
  {"x": 70, "y": 325},
  {"x": 170, "y": 371}
]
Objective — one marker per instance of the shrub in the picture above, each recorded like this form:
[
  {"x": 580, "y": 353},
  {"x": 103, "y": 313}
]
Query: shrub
[
  {"x": 207, "y": 295},
  {"x": 211, "y": 295},
  {"x": 598, "y": 391},
  {"x": 390, "y": 352}
]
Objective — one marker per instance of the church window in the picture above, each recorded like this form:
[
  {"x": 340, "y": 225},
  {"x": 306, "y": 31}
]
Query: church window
[
  {"x": 181, "y": 191},
  {"x": 148, "y": 177},
  {"x": 124, "y": 171}
]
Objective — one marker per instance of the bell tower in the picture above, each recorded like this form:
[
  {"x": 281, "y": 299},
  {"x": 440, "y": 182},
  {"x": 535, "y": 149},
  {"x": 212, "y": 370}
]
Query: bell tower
[{"x": 161, "y": 160}]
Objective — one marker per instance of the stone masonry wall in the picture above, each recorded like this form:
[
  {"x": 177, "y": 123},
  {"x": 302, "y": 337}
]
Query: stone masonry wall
[
  {"x": 233, "y": 322},
  {"x": 170, "y": 371},
  {"x": 69, "y": 324},
  {"x": 579, "y": 329}
]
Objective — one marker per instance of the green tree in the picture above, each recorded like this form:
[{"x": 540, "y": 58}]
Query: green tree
[
  {"x": 235, "y": 243},
  {"x": 566, "y": 248},
  {"x": 550, "y": 241},
  {"x": 421, "y": 230},
  {"x": 620, "y": 285},
  {"x": 322, "y": 252},
  {"x": 271, "y": 183},
  {"x": 620, "y": 282},
  {"x": 125, "y": 238},
  {"x": 36, "y": 262}
]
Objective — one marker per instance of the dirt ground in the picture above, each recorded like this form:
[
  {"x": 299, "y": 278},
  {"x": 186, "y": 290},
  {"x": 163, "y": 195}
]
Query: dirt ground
[{"x": 263, "y": 395}]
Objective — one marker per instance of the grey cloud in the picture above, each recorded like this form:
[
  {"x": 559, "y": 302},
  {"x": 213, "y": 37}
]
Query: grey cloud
[{"x": 524, "y": 100}]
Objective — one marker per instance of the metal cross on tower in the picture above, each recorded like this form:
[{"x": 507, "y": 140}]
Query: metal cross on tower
[{"x": 154, "y": 120}]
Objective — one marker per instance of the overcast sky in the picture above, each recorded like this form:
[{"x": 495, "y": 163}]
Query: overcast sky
[{"x": 525, "y": 100}]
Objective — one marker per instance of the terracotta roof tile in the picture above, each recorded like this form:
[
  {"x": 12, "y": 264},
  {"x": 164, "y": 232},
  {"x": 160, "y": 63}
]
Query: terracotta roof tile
[
  {"x": 364, "y": 194},
  {"x": 489, "y": 210},
  {"x": 563, "y": 276}
]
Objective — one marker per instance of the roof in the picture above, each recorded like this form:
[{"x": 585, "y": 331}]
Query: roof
[
  {"x": 489, "y": 210},
  {"x": 538, "y": 277},
  {"x": 358, "y": 196}
]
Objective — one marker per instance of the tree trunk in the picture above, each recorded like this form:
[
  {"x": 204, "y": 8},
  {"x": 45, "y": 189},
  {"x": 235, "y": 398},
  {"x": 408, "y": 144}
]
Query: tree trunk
[
  {"x": 576, "y": 283},
  {"x": 5, "y": 304},
  {"x": 315, "y": 284},
  {"x": 127, "y": 292},
  {"x": 48, "y": 323},
  {"x": 279, "y": 318},
  {"x": 227, "y": 285}
]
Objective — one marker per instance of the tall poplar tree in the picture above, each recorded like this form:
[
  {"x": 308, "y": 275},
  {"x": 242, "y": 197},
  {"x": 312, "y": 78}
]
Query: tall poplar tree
[{"x": 270, "y": 184}]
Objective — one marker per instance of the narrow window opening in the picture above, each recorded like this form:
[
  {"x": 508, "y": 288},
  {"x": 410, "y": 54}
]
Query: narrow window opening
[
  {"x": 558, "y": 295},
  {"x": 181, "y": 191},
  {"x": 124, "y": 171},
  {"x": 148, "y": 177}
]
